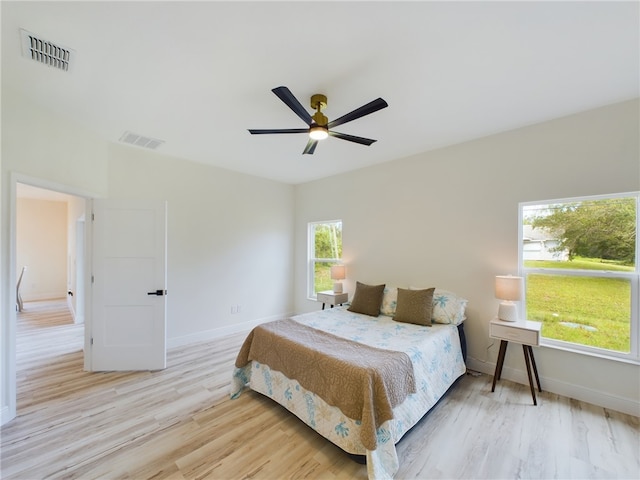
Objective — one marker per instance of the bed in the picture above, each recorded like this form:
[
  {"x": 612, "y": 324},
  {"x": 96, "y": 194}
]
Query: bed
[{"x": 409, "y": 366}]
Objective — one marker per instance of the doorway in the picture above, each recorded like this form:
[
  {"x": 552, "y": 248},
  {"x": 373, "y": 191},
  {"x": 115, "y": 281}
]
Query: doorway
[
  {"x": 49, "y": 238},
  {"x": 49, "y": 243}
]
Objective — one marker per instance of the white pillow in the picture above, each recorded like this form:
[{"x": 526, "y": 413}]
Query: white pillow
[
  {"x": 447, "y": 307},
  {"x": 389, "y": 301}
]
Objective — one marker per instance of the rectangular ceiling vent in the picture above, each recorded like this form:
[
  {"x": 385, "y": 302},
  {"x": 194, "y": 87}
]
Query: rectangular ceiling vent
[
  {"x": 140, "y": 141},
  {"x": 46, "y": 52}
]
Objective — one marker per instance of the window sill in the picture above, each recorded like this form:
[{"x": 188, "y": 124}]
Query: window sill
[{"x": 549, "y": 343}]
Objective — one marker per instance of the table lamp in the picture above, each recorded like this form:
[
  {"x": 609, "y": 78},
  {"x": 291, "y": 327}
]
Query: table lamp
[
  {"x": 509, "y": 290},
  {"x": 337, "y": 273}
]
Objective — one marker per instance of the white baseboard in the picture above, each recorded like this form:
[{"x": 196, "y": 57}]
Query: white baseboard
[
  {"x": 220, "y": 332},
  {"x": 570, "y": 390}
]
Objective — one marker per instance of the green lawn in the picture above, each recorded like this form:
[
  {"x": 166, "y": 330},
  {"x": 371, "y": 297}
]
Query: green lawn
[{"x": 597, "y": 309}]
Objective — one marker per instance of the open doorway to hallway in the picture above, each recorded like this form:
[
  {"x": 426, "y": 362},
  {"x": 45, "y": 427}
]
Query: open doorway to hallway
[{"x": 50, "y": 244}]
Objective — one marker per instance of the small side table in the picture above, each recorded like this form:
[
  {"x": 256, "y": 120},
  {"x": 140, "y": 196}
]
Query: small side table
[
  {"x": 525, "y": 332},
  {"x": 332, "y": 298}
]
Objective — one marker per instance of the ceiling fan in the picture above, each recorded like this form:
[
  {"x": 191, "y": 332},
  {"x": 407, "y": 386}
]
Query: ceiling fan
[{"x": 319, "y": 125}]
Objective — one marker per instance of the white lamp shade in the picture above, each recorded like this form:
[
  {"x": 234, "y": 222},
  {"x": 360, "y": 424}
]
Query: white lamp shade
[
  {"x": 338, "y": 272},
  {"x": 509, "y": 287}
]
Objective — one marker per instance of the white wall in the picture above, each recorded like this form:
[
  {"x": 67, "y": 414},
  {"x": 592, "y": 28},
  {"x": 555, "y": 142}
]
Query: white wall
[
  {"x": 230, "y": 240},
  {"x": 449, "y": 218},
  {"x": 41, "y": 241}
]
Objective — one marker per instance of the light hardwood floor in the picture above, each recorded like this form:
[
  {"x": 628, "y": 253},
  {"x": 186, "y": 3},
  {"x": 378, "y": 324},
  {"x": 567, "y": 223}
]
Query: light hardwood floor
[{"x": 179, "y": 423}]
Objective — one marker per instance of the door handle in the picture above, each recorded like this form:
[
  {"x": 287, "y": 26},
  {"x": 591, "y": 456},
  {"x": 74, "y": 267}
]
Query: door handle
[{"x": 159, "y": 293}]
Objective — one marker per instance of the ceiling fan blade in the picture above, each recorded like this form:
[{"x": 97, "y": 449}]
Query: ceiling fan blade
[
  {"x": 278, "y": 130},
  {"x": 352, "y": 138},
  {"x": 311, "y": 147},
  {"x": 373, "y": 106},
  {"x": 292, "y": 102}
]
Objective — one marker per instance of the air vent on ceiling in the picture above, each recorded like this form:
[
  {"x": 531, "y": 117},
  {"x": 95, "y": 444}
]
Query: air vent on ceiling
[
  {"x": 140, "y": 141},
  {"x": 46, "y": 52}
]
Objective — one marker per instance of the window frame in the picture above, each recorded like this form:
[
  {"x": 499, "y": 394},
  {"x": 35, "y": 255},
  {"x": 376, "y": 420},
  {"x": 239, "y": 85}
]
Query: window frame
[
  {"x": 633, "y": 356},
  {"x": 312, "y": 259}
]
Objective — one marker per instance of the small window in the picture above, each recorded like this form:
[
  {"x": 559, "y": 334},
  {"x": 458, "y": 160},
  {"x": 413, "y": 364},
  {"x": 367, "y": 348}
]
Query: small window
[
  {"x": 579, "y": 260},
  {"x": 325, "y": 250}
]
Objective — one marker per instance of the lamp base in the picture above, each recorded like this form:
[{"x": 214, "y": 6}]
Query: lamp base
[
  {"x": 337, "y": 287},
  {"x": 508, "y": 312}
]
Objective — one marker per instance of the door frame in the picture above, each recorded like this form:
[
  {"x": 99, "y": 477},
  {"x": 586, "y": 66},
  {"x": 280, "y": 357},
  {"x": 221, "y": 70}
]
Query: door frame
[
  {"x": 80, "y": 268},
  {"x": 10, "y": 340}
]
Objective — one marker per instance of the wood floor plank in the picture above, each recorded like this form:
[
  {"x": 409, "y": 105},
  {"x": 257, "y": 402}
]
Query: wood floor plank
[{"x": 180, "y": 424}]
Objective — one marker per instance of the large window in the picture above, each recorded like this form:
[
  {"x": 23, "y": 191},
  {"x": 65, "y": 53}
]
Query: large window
[
  {"x": 325, "y": 250},
  {"x": 579, "y": 258}
]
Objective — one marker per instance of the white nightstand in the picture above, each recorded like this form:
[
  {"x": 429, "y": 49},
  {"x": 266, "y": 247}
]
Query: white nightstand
[
  {"x": 524, "y": 332},
  {"x": 332, "y": 298}
]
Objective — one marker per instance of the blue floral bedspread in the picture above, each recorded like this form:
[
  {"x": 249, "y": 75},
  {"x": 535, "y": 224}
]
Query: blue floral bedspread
[{"x": 436, "y": 356}]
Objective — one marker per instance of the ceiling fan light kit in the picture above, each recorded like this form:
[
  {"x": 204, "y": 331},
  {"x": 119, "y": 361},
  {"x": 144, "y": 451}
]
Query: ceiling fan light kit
[
  {"x": 318, "y": 132},
  {"x": 319, "y": 125}
]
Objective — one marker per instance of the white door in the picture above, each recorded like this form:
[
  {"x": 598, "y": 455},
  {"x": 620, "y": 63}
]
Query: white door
[{"x": 128, "y": 327}]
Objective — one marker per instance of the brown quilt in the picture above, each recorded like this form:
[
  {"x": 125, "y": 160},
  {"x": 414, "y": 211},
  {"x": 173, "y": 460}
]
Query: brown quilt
[{"x": 364, "y": 382}]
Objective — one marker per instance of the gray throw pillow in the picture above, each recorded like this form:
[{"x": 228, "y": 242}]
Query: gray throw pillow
[
  {"x": 367, "y": 299},
  {"x": 414, "y": 306}
]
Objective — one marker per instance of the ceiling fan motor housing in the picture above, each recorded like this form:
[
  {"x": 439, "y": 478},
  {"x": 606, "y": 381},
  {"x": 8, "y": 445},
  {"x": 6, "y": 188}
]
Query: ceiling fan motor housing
[{"x": 318, "y": 102}]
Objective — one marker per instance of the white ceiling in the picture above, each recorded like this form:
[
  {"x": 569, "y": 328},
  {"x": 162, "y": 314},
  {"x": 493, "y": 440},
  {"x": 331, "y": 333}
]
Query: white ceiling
[{"x": 199, "y": 74}]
